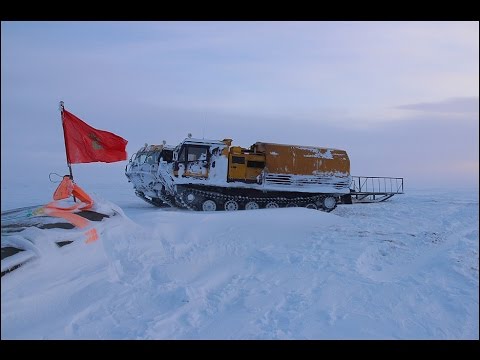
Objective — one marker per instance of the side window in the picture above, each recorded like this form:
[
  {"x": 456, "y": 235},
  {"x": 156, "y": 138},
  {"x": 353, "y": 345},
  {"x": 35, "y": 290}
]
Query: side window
[
  {"x": 156, "y": 157},
  {"x": 181, "y": 157},
  {"x": 256, "y": 164},
  {"x": 141, "y": 158},
  {"x": 238, "y": 160},
  {"x": 196, "y": 153},
  {"x": 167, "y": 155},
  {"x": 150, "y": 159}
]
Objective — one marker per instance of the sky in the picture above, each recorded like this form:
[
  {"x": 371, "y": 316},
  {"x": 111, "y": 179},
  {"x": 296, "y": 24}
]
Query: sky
[{"x": 402, "y": 98}]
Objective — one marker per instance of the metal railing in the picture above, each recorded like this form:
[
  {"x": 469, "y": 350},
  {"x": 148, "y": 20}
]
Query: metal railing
[{"x": 376, "y": 185}]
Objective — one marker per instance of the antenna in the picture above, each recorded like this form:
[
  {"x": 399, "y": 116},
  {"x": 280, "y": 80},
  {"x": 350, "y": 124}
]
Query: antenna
[{"x": 204, "y": 124}]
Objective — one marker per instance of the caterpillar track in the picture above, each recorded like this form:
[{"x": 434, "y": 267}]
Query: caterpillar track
[
  {"x": 201, "y": 200},
  {"x": 159, "y": 202}
]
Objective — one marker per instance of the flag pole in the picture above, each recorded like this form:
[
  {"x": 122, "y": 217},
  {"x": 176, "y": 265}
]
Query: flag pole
[{"x": 65, "y": 140}]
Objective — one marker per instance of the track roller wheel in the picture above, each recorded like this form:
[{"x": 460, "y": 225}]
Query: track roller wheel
[
  {"x": 231, "y": 205},
  {"x": 311, "y": 206},
  {"x": 209, "y": 205},
  {"x": 251, "y": 205}
]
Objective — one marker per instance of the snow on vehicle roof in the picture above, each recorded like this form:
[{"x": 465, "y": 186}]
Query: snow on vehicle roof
[
  {"x": 152, "y": 147},
  {"x": 301, "y": 147},
  {"x": 202, "y": 141}
]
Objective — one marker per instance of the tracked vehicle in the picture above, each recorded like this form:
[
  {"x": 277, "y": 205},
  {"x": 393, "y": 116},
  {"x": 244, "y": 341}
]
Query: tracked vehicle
[{"x": 209, "y": 175}]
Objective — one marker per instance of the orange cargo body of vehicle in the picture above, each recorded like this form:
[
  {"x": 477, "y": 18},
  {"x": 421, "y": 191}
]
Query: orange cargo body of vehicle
[{"x": 303, "y": 160}]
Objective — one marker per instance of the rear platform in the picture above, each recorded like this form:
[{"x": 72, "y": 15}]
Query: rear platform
[{"x": 370, "y": 189}]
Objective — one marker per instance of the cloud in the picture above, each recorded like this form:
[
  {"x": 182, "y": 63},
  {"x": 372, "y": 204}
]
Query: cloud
[{"x": 462, "y": 105}]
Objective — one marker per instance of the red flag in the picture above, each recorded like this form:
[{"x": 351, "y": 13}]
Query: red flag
[{"x": 86, "y": 144}]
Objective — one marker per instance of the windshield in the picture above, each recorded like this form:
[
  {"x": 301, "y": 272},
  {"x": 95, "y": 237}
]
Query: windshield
[{"x": 149, "y": 157}]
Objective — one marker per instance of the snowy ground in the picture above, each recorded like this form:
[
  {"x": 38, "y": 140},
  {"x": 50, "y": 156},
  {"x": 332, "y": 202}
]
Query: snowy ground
[{"x": 404, "y": 269}]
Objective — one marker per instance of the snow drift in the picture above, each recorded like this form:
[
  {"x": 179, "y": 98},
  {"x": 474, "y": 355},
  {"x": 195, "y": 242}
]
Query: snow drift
[{"x": 403, "y": 269}]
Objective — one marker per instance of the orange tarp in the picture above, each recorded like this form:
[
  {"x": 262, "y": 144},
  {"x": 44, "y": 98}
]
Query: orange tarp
[{"x": 67, "y": 188}]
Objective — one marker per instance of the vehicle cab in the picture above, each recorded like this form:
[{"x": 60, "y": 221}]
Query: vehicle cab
[{"x": 195, "y": 157}]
